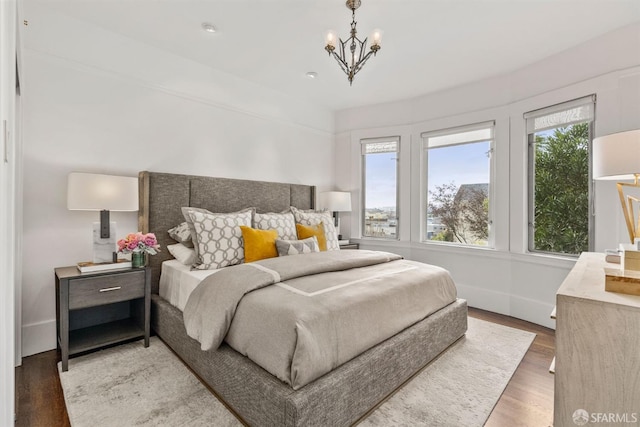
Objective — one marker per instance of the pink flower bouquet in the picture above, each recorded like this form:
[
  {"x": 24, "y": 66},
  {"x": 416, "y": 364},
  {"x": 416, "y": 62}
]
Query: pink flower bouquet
[{"x": 139, "y": 242}]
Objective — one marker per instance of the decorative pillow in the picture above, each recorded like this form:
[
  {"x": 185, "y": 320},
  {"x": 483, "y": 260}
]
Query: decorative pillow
[
  {"x": 182, "y": 253},
  {"x": 284, "y": 223},
  {"x": 317, "y": 231},
  {"x": 258, "y": 244},
  {"x": 192, "y": 230},
  {"x": 181, "y": 234},
  {"x": 219, "y": 238},
  {"x": 315, "y": 218},
  {"x": 296, "y": 247}
]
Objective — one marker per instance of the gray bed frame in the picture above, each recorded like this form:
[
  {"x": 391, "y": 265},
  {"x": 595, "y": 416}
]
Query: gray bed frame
[{"x": 341, "y": 397}]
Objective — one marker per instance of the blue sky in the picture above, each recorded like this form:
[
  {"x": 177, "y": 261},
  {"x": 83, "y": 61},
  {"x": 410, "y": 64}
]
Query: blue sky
[
  {"x": 380, "y": 178},
  {"x": 462, "y": 164}
]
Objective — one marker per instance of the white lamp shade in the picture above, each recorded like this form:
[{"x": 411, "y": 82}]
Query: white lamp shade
[
  {"x": 95, "y": 192},
  {"x": 335, "y": 201},
  {"x": 617, "y": 156}
]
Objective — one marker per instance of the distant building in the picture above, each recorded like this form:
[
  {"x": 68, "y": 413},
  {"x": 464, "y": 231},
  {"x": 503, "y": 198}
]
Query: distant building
[
  {"x": 434, "y": 226},
  {"x": 380, "y": 222},
  {"x": 466, "y": 191}
]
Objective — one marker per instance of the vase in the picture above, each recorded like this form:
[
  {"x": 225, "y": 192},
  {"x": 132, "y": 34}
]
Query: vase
[{"x": 138, "y": 259}]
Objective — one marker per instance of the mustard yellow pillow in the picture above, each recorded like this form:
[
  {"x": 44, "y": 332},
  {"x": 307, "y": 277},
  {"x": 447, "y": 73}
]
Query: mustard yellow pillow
[
  {"x": 306, "y": 231},
  {"x": 258, "y": 244}
]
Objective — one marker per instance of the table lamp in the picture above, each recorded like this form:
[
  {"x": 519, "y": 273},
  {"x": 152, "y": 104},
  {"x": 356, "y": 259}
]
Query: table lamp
[
  {"x": 335, "y": 201},
  {"x": 617, "y": 157},
  {"x": 104, "y": 193}
]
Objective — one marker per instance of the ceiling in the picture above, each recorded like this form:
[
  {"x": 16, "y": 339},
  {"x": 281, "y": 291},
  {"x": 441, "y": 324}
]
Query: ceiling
[{"x": 427, "y": 45}]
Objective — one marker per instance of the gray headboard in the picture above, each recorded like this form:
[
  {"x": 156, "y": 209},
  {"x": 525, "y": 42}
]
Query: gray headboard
[{"x": 163, "y": 194}]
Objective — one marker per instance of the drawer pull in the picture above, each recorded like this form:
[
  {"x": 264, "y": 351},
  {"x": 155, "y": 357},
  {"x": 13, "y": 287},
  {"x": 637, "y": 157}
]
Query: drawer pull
[{"x": 115, "y": 288}]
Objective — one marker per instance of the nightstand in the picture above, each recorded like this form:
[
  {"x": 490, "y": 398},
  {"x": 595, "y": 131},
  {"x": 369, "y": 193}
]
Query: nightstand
[
  {"x": 95, "y": 310},
  {"x": 350, "y": 246}
]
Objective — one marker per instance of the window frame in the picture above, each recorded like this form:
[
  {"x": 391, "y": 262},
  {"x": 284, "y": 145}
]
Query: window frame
[
  {"x": 490, "y": 124},
  {"x": 530, "y": 141},
  {"x": 363, "y": 180}
]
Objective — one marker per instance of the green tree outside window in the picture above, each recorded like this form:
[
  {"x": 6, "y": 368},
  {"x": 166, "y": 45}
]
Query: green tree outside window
[{"x": 561, "y": 190}]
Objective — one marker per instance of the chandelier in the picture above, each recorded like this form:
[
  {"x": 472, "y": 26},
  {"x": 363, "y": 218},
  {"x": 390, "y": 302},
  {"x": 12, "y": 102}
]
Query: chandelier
[{"x": 353, "y": 60}]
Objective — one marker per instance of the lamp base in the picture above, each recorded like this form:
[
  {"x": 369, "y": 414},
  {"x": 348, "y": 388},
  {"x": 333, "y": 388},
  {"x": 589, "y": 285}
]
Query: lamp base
[
  {"x": 103, "y": 249},
  {"x": 627, "y": 207}
]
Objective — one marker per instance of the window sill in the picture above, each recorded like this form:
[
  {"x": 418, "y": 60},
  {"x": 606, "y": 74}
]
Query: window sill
[
  {"x": 481, "y": 251},
  {"x": 372, "y": 241},
  {"x": 545, "y": 259},
  {"x": 557, "y": 261}
]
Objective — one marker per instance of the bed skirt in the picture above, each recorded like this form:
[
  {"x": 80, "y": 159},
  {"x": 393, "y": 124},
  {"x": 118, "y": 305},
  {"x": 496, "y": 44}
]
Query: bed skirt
[{"x": 338, "y": 398}]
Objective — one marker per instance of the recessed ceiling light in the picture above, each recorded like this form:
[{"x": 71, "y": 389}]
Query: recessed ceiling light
[
  {"x": 209, "y": 28},
  {"x": 312, "y": 74}
]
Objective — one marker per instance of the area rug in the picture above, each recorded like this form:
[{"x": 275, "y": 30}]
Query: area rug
[{"x": 130, "y": 385}]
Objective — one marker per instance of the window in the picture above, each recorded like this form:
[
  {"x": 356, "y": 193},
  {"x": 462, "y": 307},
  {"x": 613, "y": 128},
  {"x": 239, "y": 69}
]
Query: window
[
  {"x": 458, "y": 183},
  {"x": 559, "y": 139},
  {"x": 380, "y": 184}
]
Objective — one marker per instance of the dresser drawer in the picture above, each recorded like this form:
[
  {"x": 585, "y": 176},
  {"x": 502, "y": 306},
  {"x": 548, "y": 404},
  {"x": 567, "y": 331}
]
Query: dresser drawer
[{"x": 99, "y": 290}]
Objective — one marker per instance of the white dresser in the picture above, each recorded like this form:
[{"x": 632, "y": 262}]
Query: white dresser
[{"x": 597, "y": 365}]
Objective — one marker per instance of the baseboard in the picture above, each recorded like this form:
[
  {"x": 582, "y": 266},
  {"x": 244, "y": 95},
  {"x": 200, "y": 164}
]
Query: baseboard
[
  {"x": 38, "y": 337},
  {"x": 485, "y": 299},
  {"x": 533, "y": 311}
]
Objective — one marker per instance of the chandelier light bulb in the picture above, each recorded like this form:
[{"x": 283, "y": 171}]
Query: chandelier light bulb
[
  {"x": 376, "y": 37},
  {"x": 330, "y": 39}
]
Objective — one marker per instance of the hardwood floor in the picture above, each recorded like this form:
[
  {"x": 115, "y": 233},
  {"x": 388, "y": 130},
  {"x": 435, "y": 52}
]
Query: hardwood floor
[
  {"x": 527, "y": 400},
  {"x": 39, "y": 399}
]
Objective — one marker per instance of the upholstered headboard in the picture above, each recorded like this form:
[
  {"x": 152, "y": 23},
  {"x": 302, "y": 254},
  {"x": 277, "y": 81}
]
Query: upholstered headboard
[{"x": 163, "y": 194}]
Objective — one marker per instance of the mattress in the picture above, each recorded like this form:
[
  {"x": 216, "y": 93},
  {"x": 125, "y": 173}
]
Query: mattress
[{"x": 177, "y": 282}]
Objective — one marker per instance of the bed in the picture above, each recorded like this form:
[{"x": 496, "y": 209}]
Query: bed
[{"x": 340, "y": 397}]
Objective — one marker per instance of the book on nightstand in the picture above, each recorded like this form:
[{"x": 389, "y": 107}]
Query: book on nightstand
[
  {"x": 613, "y": 258},
  {"x": 90, "y": 267},
  {"x": 612, "y": 255}
]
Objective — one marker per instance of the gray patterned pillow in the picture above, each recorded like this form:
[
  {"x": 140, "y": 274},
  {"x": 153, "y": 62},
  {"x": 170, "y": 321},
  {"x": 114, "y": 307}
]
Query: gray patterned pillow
[
  {"x": 297, "y": 247},
  {"x": 284, "y": 223},
  {"x": 315, "y": 218},
  {"x": 181, "y": 234},
  {"x": 219, "y": 238},
  {"x": 192, "y": 231}
]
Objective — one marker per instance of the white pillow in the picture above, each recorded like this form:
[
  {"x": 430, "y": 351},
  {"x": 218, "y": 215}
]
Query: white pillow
[{"x": 185, "y": 255}]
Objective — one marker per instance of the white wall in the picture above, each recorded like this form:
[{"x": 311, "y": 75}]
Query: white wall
[
  {"x": 8, "y": 169},
  {"x": 505, "y": 279},
  {"x": 98, "y": 102}
]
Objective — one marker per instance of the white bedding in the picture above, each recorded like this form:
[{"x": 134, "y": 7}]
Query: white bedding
[{"x": 177, "y": 281}]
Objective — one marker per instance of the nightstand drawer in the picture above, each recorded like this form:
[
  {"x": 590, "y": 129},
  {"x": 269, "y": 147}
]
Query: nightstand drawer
[{"x": 94, "y": 291}]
